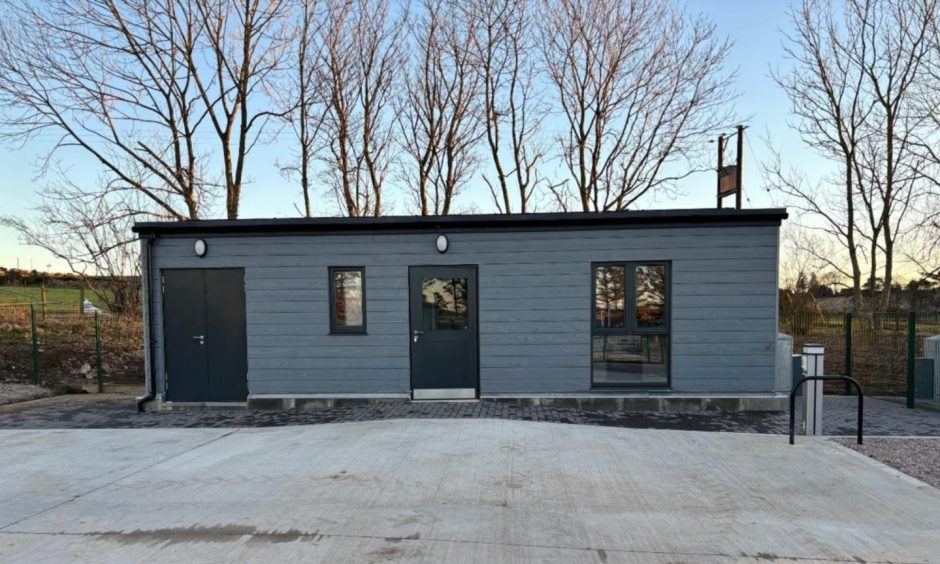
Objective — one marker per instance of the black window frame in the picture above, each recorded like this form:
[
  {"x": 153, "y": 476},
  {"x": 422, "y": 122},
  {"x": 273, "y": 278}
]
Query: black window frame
[
  {"x": 346, "y": 329},
  {"x": 630, "y": 325}
]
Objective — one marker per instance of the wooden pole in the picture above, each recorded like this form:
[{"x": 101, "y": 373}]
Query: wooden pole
[
  {"x": 740, "y": 169},
  {"x": 721, "y": 164}
]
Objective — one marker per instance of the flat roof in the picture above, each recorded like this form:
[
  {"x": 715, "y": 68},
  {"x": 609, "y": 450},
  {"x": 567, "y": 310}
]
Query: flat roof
[{"x": 532, "y": 221}]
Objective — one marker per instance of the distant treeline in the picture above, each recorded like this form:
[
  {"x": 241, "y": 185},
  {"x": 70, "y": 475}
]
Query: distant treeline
[{"x": 20, "y": 277}]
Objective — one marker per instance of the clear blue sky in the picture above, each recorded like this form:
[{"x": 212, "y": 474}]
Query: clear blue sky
[{"x": 753, "y": 26}]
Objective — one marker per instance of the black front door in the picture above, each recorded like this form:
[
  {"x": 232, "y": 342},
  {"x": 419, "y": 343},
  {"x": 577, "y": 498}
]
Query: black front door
[
  {"x": 443, "y": 332},
  {"x": 204, "y": 332}
]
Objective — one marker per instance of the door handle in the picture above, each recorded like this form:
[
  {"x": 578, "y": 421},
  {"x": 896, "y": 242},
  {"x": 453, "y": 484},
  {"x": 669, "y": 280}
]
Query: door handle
[
  {"x": 201, "y": 338},
  {"x": 416, "y": 335}
]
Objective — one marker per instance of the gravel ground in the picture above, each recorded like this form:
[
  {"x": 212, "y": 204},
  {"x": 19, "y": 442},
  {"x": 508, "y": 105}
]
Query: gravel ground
[
  {"x": 15, "y": 393},
  {"x": 919, "y": 457}
]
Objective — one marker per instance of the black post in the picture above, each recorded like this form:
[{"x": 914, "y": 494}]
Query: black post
[
  {"x": 98, "y": 368},
  {"x": 861, "y": 410},
  {"x": 911, "y": 345},
  {"x": 35, "y": 337},
  {"x": 848, "y": 350},
  {"x": 793, "y": 407},
  {"x": 740, "y": 169}
]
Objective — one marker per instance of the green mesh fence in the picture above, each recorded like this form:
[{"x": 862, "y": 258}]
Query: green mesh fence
[
  {"x": 877, "y": 354},
  {"x": 65, "y": 355}
]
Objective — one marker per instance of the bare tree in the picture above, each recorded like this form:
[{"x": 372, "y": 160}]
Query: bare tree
[
  {"x": 439, "y": 113},
  {"x": 360, "y": 57},
  {"x": 243, "y": 50},
  {"x": 820, "y": 219},
  {"x": 640, "y": 86},
  {"x": 925, "y": 254},
  {"x": 110, "y": 79},
  {"x": 924, "y": 250},
  {"x": 513, "y": 110},
  {"x": 91, "y": 233},
  {"x": 298, "y": 95},
  {"x": 131, "y": 82},
  {"x": 853, "y": 89},
  {"x": 830, "y": 106},
  {"x": 897, "y": 33}
]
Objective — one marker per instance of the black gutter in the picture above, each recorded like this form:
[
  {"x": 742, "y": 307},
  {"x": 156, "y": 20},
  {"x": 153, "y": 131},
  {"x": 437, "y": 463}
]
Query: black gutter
[
  {"x": 625, "y": 219},
  {"x": 152, "y": 341}
]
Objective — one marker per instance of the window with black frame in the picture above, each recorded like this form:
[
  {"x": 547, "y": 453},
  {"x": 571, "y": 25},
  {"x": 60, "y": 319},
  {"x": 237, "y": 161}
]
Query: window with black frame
[
  {"x": 630, "y": 328},
  {"x": 347, "y": 299}
]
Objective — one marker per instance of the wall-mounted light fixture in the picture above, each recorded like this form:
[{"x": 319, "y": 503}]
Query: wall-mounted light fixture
[
  {"x": 441, "y": 243},
  {"x": 200, "y": 248}
]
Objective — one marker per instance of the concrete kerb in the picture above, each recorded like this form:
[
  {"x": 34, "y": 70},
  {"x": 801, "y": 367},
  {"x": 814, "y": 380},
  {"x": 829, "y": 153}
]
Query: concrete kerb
[{"x": 665, "y": 404}]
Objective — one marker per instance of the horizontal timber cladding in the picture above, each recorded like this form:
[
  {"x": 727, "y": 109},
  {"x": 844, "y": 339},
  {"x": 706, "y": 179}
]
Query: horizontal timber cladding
[{"x": 534, "y": 304}]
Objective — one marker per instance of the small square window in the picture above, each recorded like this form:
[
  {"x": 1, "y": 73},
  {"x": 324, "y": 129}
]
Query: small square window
[
  {"x": 445, "y": 304},
  {"x": 347, "y": 300}
]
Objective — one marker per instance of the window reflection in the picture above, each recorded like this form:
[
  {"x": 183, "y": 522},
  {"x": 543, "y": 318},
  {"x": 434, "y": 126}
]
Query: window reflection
[
  {"x": 609, "y": 296},
  {"x": 446, "y": 304},
  {"x": 347, "y": 298},
  {"x": 650, "y": 295},
  {"x": 630, "y": 335},
  {"x": 630, "y": 359}
]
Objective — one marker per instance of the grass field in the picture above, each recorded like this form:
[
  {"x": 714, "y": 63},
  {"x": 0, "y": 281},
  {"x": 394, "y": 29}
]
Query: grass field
[{"x": 57, "y": 299}]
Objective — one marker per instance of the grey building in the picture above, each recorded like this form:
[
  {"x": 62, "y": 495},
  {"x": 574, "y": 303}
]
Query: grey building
[{"x": 646, "y": 309}]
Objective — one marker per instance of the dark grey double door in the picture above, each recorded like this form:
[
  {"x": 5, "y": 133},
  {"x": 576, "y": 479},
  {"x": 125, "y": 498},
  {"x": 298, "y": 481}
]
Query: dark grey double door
[
  {"x": 204, "y": 332},
  {"x": 444, "y": 349}
]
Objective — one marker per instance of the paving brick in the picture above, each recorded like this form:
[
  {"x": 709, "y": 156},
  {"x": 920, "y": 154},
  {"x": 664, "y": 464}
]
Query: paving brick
[{"x": 881, "y": 417}]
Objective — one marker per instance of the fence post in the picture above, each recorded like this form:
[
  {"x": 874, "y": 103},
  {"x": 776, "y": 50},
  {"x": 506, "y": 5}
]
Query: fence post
[
  {"x": 32, "y": 320},
  {"x": 81, "y": 299},
  {"x": 100, "y": 371},
  {"x": 848, "y": 350},
  {"x": 911, "y": 345},
  {"x": 42, "y": 299}
]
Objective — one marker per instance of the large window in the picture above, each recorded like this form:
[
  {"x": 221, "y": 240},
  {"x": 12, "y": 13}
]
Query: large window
[
  {"x": 630, "y": 327},
  {"x": 347, "y": 299}
]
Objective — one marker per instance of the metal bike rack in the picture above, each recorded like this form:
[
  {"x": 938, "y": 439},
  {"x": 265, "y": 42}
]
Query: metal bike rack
[{"x": 847, "y": 380}]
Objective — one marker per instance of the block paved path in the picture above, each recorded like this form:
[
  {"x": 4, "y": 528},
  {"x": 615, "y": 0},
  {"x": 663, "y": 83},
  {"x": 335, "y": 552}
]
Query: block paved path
[{"x": 883, "y": 418}]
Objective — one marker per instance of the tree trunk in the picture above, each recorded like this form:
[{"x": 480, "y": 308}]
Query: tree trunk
[{"x": 850, "y": 234}]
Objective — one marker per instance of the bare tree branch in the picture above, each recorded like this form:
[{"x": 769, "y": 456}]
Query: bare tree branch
[
  {"x": 110, "y": 78},
  {"x": 358, "y": 69},
  {"x": 640, "y": 85},
  {"x": 440, "y": 114}
]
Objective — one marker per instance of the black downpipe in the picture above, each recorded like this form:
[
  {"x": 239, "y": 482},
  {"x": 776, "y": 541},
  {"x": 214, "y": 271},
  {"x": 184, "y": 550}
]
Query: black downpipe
[{"x": 152, "y": 391}]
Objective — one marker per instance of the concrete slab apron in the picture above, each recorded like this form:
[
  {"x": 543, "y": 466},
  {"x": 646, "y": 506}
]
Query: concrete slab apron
[
  {"x": 458, "y": 490},
  {"x": 40, "y": 470}
]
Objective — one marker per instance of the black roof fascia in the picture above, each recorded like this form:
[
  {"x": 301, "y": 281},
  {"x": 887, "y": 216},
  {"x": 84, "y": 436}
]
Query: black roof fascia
[{"x": 574, "y": 220}]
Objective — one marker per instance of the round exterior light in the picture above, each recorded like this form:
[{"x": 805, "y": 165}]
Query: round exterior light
[
  {"x": 441, "y": 243},
  {"x": 200, "y": 248}
]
